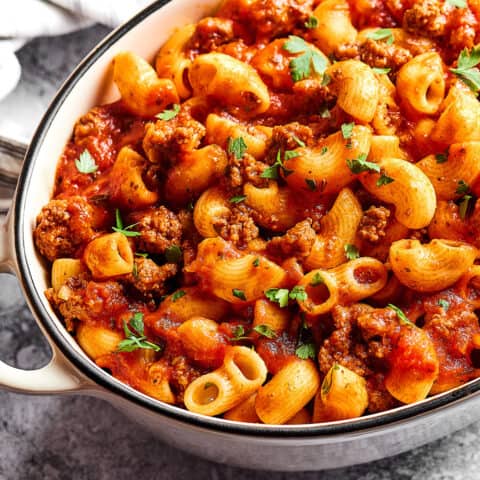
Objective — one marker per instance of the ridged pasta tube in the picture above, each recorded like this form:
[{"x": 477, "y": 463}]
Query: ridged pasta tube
[
  {"x": 109, "y": 255},
  {"x": 242, "y": 373},
  {"x": 234, "y": 276},
  {"x": 338, "y": 228},
  {"x": 230, "y": 81},
  {"x": 343, "y": 395},
  {"x": 210, "y": 208},
  {"x": 433, "y": 266},
  {"x": 347, "y": 283},
  {"x": 63, "y": 269},
  {"x": 410, "y": 190},
  {"x": 142, "y": 91},
  {"x": 289, "y": 390},
  {"x": 97, "y": 340}
]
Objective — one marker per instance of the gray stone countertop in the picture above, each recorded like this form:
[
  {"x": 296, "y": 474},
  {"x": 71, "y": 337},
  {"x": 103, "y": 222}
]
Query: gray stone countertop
[{"x": 76, "y": 437}]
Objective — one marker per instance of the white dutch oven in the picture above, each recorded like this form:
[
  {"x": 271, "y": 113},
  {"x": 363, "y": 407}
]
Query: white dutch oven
[{"x": 293, "y": 447}]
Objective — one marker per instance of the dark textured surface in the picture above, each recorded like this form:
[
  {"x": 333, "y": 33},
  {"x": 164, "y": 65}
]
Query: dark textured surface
[{"x": 68, "y": 437}]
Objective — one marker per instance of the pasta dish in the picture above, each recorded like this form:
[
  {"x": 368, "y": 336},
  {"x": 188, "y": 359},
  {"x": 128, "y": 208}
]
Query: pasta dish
[{"x": 277, "y": 221}]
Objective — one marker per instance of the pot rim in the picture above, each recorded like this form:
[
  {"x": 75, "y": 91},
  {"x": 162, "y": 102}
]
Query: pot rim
[{"x": 107, "y": 381}]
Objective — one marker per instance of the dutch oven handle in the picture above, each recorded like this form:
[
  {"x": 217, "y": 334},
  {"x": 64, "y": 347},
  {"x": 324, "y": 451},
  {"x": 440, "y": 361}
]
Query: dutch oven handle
[{"x": 57, "y": 376}]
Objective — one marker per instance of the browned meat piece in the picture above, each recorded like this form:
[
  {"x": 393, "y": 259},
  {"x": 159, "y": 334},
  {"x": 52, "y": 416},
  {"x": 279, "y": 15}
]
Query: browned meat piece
[
  {"x": 426, "y": 17},
  {"x": 88, "y": 301},
  {"x": 149, "y": 278},
  {"x": 314, "y": 96},
  {"x": 464, "y": 30},
  {"x": 297, "y": 242},
  {"x": 344, "y": 345},
  {"x": 379, "y": 399},
  {"x": 62, "y": 226},
  {"x": 348, "y": 51},
  {"x": 373, "y": 223},
  {"x": 246, "y": 170},
  {"x": 239, "y": 228},
  {"x": 382, "y": 55},
  {"x": 165, "y": 139},
  {"x": 159, "y": 229},
  {"x": 288, "y": 137},
  {"x": 183, "y": 374},
  {"x": 210, "y": 33}
]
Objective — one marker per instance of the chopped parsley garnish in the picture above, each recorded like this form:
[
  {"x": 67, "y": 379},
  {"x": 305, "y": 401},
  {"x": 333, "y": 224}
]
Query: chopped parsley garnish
[
  {"x": 208, "y": 385},
  {"x": 173, "y": 254},
  {"x": 238, "y": 198},
  {"x": 325, "y": 113},
  {"x": 347, "y": 130},
  {"x": 441, "y": 157},
  {"x": 135, "y": 337},
  {"x": 169, "y": 114},
  {"x": 464, "y": 206},
  {"x": 178, "y": 294},
  {"x": 301, "y": 66},
  {"x": 256, "y": 262},
  {"x": 85, "y": 163},
  {"x": 384, "y": 180},
  {"x": 299, "y": 142},
  {"x": 239, "y": 294},
  {"x": 462, "y": 188},
  {"x": 311, "y": 184},
  {"x": 312, "y": 22},
  {"x": 273, "y": 171},
  {"x": 360, "y": 164},
  {"x": 328, "y": 380},
  {"x": 351, "y": 251},
  {"x": 401, "y": 316},
  {"x": 317, "y": 280},
  {"x": 457, "y": 3},
  {"x": 305, "y": 351},
  {"x": 290, "y": 154},
  {"x": 127, "y": 231},
  {"x": 467, "y": 69},
  {"x": 444, "y": 304},
  {"x": 265, "y": 330},
  {"x": 278, "y": 295},
  {"x": 324, "y": 150},
  {"x": 326, "y": 79},
  {"x": 382, "y": 34},
  {"x": 298, "y": 293},
  {"x": 237, "y": 147},
  {"x": 141, "y": 254},
  {"x": 381, "y": 71},
  {"x": 239, "y": 334}
]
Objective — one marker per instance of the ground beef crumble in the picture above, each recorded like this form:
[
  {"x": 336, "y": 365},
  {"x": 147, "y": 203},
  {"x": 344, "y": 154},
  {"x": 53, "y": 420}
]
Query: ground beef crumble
[{"x": 373, "y": 223}]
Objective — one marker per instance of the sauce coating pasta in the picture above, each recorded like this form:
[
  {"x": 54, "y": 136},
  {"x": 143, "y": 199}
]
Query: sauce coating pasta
[{"x": 278, "y": 220}]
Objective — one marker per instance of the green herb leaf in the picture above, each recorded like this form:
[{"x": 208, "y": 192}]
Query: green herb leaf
[
  {"x": 272, "y": 172},
  {"x": 441, "y": 157},
  {"x": 86, "y": 163},
  {"x": 137, "y": 339},
  {"x": 317, "y": 280},
  {"x": 328, "y": 380},
  {"x": 381, "y": 71},
  {"x": 237, "y": 147},
  {"x": 299, "y": 142},
  {"x": 466, "y": 68},
  {"x": 360, "y": 164},
  {"x": 312, "y": 22},
  {"x": 464, "y": 206},
  {"x": 141, "y": 254},
  {"x": 127, "y": 231},
  {"x": 238, "y": 198},
  {"x": 351, "y": 251},
  {"x": 347, "y": 130},
  {"x": 278, "y": 295},
  {"x": 383, "y": 180},
  {"x": 300, "y": 66},
  {"x": 444, "y": 304},
  {"x": 298, "y": 293},
  {"x": 208, "y": 385},
  {"x": 265, "y": 330},
  {"x": 326, "y": 80},
  {"x": 382, "y": 34},
  {"x": 239, "y": 294},
  {"x": 401, "y": 316},
  {"x": 457, "y": 3},
  {"x": 325, "y": 113},
  {"x": 169, "y": 114},
  {"x": 173, "y": 254},
  {"x": 239, "y": 334},
  {"x": 256, "y": 262},
  {"x": 324, "y": 150},
  {"x": 311, "y": 184},
  {"x": 305, "y": 351},
  {"x": 178, "y": 294},
  {"x": 462, "y": 188},
  {"x": 291, "y": 154}
]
